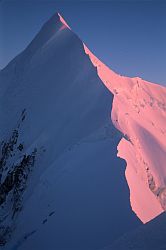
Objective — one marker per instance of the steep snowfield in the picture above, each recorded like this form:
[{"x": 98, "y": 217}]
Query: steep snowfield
[
  {"x": 150, "y": 236},
  {"x": 62, "y": 184},
  {"x": 139, "y": 112}
]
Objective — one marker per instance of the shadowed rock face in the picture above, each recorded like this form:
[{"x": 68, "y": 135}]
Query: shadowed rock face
[{"x": 14, "y": 177}]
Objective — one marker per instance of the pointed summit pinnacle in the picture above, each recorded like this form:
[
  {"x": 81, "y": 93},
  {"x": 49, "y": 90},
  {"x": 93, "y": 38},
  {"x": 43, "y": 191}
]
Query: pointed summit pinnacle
[
  {"x": 63, "y": 21},
  {"x": 49, "y": 29}
]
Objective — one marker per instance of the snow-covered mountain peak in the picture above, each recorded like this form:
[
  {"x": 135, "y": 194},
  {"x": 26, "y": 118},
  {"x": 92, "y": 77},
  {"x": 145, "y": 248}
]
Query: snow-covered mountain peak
[
  {"x": 52, "y": 29},
  {"x": 53, "y": 24},
  {"x": 58, "y": 149},
  {"x": 57, "y": 138},
  {"x": 48, "y": 30},
  {"x": 63, "y": 21}
]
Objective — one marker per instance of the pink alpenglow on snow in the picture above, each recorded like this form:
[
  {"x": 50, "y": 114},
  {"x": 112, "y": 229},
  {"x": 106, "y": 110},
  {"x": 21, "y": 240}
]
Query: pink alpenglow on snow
[
  {"x": 77, "y": 179},
  {"x": 139, "y": 112},
  {"x": 64, "y": 24}
]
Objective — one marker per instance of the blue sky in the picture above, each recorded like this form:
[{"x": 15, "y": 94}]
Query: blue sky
[{"x": 129, "y": 36}]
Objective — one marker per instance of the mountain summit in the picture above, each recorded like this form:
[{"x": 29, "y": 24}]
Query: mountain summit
[
  {"x": 63, "y": 116},
  {"x": 50, "y": 29}
]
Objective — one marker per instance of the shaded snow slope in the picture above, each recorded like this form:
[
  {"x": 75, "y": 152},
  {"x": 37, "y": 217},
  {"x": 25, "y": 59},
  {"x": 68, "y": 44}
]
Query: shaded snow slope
[
  {"x": 150, "y": 236},
  {"x": 139, "y": 112},
  {"x": 62, "y": 185}
]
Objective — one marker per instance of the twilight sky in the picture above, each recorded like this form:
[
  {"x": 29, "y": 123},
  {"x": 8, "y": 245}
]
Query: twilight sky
[{"x": 128, "y": 36}]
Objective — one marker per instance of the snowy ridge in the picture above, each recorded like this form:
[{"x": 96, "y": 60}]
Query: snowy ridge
[
  {"x": 139, "y": 112},
  {"x": 52, "y": 96},
  {"x": 56, "y": 126}
]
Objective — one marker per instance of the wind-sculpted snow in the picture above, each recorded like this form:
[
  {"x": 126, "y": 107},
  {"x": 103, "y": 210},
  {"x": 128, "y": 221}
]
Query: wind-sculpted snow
[
  {"x": 76, "y": 191},
  {"x": 139, "y": 112}
]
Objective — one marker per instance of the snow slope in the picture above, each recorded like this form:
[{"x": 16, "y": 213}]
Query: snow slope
[
  {"x": 62, "y": 184},
  {"x": 149, "y": 236}
]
